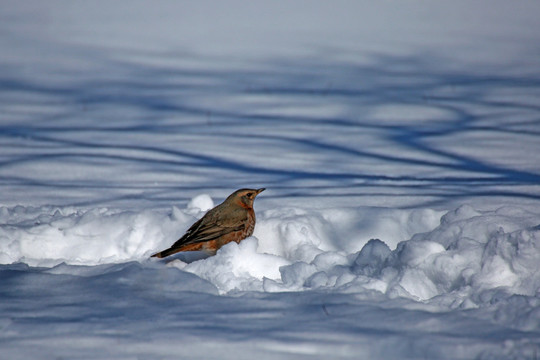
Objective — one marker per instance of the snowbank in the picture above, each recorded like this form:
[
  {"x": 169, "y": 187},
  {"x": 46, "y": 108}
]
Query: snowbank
[
  {"x": 48, "y": 236},
  {"x": 461, "y": 259}
]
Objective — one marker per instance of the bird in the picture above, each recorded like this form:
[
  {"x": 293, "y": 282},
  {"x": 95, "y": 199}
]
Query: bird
[{"x": 232, "y": 220}]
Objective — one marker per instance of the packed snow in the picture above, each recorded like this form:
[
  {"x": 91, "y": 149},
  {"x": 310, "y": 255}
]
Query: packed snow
[{"x": 398, "y": 143}]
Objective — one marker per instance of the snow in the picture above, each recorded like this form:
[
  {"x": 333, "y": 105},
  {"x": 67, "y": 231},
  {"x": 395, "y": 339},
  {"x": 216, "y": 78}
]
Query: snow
[{"x": 398, "y": 144}]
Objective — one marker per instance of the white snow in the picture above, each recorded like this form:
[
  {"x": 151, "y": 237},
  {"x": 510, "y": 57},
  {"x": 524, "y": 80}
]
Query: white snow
[{"x": 398, "y": 143}]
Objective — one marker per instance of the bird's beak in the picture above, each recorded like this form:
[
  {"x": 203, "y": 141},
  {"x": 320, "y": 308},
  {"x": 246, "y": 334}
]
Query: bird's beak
[{"x": 260, "y": 190}]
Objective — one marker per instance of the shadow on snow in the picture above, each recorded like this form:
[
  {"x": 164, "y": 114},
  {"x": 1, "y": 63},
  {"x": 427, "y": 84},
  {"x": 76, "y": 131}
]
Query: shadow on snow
[{"x": 95, "y": 119}]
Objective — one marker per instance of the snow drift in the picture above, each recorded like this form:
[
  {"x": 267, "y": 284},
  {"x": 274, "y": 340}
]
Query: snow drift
[
  {"x": 464, "y": 258},
  {"x": 361, "y": 270}
]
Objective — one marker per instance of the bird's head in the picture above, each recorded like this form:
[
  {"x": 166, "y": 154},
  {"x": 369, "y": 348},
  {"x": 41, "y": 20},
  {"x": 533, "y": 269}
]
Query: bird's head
[{"x": 245, "y": 197}]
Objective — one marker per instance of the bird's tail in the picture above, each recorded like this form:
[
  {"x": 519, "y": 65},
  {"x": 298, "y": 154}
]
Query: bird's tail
[
  {"x": 174, "y": 249},
  {"x": 165, "y": 253}
]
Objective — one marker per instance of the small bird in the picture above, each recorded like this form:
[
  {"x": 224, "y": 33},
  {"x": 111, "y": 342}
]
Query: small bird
[{"x": 232, "y": 220}]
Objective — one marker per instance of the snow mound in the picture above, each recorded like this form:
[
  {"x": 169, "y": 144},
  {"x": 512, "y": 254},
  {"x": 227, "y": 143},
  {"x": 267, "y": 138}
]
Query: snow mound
[
  {"x": 48, "y": 236},
  {"x": 467, "y": 258},
  {"x": 202, "y": 202},
  {"x": 463, "y": 258}
]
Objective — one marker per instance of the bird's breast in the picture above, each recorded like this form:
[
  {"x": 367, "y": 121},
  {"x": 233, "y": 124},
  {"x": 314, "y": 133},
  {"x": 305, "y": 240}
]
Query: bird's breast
[{"x": 250, "y": 222}]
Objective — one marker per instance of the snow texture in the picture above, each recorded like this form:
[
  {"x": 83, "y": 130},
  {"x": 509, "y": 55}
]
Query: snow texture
[{"x": 398, "y": 143}]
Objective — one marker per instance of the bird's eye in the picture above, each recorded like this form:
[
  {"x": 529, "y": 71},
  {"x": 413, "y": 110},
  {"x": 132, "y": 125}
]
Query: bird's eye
[{"x": 249, "y": 195}]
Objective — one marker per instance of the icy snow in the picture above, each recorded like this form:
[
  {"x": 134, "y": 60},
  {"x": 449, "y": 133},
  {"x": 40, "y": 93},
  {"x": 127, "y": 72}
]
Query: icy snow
[{"x": 398, "y": 143}]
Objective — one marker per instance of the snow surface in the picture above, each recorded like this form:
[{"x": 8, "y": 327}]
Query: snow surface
[{"x": 398, "y": 142}]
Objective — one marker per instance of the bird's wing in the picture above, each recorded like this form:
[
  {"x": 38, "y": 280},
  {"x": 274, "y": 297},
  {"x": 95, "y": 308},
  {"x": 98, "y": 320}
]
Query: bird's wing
[{"x": 210, "y": 227}]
